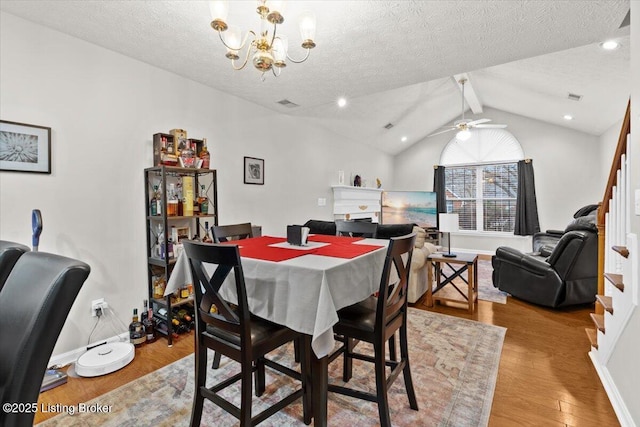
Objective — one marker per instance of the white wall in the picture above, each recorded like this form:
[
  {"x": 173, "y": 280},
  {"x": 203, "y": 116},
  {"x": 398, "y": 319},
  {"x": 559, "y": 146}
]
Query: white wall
[
  {"x": 563, "y": 161},
  {"x": 608, "y": 143},
  {"x": 103, "y": 109}
]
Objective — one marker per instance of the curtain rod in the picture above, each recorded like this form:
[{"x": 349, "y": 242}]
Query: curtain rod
[{"x": 482, "y": 163}]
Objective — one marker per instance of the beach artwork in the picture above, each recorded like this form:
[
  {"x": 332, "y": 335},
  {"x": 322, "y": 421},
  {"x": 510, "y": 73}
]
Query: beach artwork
[{"x": 406, "y": 207}]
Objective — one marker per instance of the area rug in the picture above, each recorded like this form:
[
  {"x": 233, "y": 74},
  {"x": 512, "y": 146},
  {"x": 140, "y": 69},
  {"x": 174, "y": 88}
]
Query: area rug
[
  {"x": 454, "y": 367},
  {"x": 486, "y": 290}
]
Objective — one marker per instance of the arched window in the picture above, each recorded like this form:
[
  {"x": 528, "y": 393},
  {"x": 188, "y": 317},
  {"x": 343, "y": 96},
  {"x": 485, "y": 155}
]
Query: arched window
[{"x": 481, "y": 179}]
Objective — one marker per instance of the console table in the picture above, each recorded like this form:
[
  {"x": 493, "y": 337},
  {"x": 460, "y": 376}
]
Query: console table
[{"x": 463, "y": 262}]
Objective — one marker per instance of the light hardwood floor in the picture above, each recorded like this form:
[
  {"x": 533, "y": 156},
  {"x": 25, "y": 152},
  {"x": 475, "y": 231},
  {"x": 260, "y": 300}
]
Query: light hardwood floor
[{"x": 545, "y": 377}]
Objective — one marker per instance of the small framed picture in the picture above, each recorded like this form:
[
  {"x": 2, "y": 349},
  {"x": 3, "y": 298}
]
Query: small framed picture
[
  {"x": 24, "y": 147},
  {"x": 253, "y": 171}
]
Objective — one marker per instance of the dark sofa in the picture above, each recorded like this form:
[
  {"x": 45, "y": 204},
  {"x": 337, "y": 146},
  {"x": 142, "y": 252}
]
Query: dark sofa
[{"x": 385, "y": 231}]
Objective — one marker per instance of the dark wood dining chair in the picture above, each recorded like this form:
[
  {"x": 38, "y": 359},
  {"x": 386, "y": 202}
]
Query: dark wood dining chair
[
  {"x": 232, "y": 330},
  {"x": 376, "y": 320},
  {"x": 224, "y": 233},
  {"x": 356, "y": 228},
  {"x": 9, "y": 254}
]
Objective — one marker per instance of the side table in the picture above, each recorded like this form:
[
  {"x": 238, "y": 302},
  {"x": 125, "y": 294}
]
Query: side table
[{"x": 462, "y": 262}]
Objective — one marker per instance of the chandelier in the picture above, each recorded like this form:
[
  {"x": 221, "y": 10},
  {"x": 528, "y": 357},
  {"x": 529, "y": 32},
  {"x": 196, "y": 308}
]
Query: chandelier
[{"x": 267, "y": 48}]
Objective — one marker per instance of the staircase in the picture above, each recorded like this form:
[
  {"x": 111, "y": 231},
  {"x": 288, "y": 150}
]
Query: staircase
[{"x": 617, "y": 297}]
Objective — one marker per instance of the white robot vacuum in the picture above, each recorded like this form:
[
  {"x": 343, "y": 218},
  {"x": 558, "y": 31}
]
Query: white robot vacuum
[{"x": 104, "y": 359}]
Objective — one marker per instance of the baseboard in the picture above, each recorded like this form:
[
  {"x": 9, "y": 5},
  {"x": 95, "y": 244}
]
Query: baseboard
[
  {"x": 69, "y": 357},
  {"x": 619, "y": 407}
]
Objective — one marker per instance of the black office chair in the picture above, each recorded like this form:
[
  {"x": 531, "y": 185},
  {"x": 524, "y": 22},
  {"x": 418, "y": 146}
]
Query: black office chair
[
  {"x": 356, "y": 228},
  {"x": 374, "y": 320},
  {"x": 225, "y": 233},
  {"x": 234, "y": 332},
  {"x": 34, "y": 305},
  {"x": 9, "y": 254}
]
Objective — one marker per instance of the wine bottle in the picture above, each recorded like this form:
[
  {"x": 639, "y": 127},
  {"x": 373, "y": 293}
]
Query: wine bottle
[
  {"x": 137, "y": 336},
  {"x": 149, "y": 324}
]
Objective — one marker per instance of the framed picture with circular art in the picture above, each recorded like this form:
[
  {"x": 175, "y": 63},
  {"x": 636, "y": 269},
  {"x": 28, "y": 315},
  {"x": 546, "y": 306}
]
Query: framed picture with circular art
[
  {"x": 24, "y": 147},
  {"x": 253, "y": 171}
]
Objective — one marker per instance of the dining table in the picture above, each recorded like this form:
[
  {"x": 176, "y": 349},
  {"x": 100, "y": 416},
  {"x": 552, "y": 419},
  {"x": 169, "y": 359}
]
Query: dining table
[{"x": 302, "y": 287}]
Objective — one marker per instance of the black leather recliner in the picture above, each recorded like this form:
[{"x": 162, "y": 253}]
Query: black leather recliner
[{"x": 567, "y": 276}]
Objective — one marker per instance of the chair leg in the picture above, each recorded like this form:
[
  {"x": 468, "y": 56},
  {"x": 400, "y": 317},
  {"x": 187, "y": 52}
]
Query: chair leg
[
  {"x": 246, "y": 395},
  {"x": 216, "y": 360},
  {"x": 406, "y": 372},
  {"x": 200, "y": 381},
  {"x": 296, "y": 350},
  {"x": 381, "y": 385},
  {"x": 347, "y": 365},
  {"x": 392, "y": 348},
  {"x": 260, "y": 377}
]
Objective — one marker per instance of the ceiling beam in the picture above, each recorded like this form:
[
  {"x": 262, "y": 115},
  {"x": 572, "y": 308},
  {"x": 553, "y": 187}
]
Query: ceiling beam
[{"x": 470, "y": 94}]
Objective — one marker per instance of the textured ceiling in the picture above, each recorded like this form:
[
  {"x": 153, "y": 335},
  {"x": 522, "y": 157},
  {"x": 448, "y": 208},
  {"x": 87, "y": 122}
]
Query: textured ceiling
[{"x": 393, "y": 60}]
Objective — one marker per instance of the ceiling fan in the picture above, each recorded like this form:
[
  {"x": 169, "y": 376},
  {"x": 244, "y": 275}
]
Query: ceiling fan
[{"x": 463, "y": 125}]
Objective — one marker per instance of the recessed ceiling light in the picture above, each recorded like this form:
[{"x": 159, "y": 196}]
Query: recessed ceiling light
[
  {"x": 610, "y": 45},
  {"x": 568, "y": 117},
  {"x": 342, "y": 102},
  {"x": 403, "y": 139}
]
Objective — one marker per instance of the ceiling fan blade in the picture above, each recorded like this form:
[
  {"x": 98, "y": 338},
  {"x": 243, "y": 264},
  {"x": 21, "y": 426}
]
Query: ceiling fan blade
[
  {"x": 477, "y": 122},
  {"x": 442, "y": 131},
  {"x": 490, "y": 126}
]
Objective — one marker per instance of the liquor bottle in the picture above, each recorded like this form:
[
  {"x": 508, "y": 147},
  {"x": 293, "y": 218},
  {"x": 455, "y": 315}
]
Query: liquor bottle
[
  {"x": 149, "y": 324},
  {"x": 155, "y": 205},
  {"x": 180, "y": 203},
  {"x": 205, "y": 155},
  {"x": 206, "y": 238},
  {"x": 203, "y": 201},
  {"x": 137, "y": 336},
  {"x": 159, "y": 285},
  {"x": 172, "y": 201}
]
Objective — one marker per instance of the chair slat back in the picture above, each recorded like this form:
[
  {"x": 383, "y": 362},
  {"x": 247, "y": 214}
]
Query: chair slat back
[
  {"x": 226, "y": 259},
  {"x": 224, "y": 233},
  {"x": 356, "y": 228},
  {"x": 392, "y": 297}
]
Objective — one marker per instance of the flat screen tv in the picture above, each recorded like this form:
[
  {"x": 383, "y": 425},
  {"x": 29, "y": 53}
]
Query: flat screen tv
[{"x": 405, "y": 207}]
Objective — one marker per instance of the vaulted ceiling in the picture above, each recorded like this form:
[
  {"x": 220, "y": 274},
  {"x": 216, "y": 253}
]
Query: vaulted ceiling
[{"x": 393, "y": 60}]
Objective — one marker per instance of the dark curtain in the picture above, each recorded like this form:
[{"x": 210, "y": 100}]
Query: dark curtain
[
  {"x": 438, "y": 187},
  {"x": 526, "y": 206}
]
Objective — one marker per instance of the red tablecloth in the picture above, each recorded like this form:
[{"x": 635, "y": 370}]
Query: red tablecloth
[{"x": 338, "y": 247}]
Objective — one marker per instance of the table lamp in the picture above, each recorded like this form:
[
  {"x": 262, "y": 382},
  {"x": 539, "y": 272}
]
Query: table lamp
[{"x": 447, "y": 223}]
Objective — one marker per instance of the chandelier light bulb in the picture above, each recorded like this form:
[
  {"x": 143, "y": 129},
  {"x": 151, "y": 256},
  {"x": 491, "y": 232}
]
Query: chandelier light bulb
[
  {"x": 307, "y": 28},
  {"x": 219, "y": 12},
  {"x": 279, "y": 50},
  {"x": 233, "y": 38},
  {"x": 342, "y": 102}
]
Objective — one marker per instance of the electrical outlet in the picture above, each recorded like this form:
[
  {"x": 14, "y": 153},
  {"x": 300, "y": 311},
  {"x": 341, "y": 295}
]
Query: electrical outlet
[
  {"x": 322, "y": 201},
  {"x": 97, "y": 304}
]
